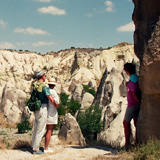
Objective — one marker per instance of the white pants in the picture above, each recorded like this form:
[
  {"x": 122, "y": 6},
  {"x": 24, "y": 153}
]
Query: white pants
[{"x": 39, "y": 126}]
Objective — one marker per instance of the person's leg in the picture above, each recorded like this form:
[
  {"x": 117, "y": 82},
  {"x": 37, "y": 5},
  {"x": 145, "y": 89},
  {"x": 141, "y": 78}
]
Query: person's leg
[
  {"x": 34, "y": 132},
  {"x": 126, "y": 123},
  {"x": 127, "y": 132},
  {"x": 41, "y": 117},
  {"x": 48, "y": 135},
  {"x": 135, "y": 124}
]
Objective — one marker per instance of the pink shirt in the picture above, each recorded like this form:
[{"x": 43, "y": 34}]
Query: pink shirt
[{"x": 132, "y": 87}]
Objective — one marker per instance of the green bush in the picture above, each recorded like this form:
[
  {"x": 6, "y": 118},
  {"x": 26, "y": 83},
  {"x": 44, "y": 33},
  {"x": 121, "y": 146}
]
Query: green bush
[
  {"x": 64, "y": 98},
  {"x": 61, "y": 110},
  {"x": 150, "y": 150},
  {"x": 87, "y": 89},
  {"x": 90, "y": 122},
  {"x": 24, "y": 126},
  {"x": 73, "y": 106},
  {"x": 67, "y": 105}
]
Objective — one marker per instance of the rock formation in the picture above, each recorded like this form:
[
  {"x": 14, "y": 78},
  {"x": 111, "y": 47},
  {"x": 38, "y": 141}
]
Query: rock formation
[
  {"x": 70, "y": 131},
  {"x": 146, "y": 17},
  {"x": 100, "y": 69}
]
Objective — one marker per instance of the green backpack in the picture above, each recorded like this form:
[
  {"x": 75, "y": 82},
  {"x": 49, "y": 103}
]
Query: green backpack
[{"x": 34, "y": 102}]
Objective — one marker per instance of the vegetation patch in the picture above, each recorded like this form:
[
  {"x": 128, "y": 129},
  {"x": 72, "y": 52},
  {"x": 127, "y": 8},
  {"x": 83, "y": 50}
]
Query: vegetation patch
[
  {"x": 148, "y": 151},
  {"x": 24, "y": 126},
  {"x": 89, "y": 90},
  {"x": 90, "y": 122}
]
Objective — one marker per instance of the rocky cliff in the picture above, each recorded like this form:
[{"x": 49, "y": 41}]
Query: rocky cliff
[
  {"x": 146, "y": 17},
  {"x": 101, "y": 69}
]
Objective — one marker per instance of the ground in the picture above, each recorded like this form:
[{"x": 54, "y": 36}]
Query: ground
[{"x": 17, "y": 147}]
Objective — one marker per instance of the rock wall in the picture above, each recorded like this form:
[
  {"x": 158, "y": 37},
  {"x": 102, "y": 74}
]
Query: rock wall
[
  {"x": 102, "y": 69},
  {"x": 146, "y": 17}
]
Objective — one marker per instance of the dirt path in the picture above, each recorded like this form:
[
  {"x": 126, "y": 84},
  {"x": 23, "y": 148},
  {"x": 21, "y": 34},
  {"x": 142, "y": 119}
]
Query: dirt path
[{"x": 60, "y": 152}]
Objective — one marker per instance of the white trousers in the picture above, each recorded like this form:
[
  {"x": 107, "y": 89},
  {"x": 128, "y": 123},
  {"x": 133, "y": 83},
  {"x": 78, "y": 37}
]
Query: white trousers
[{"x": 39, "y": 126}]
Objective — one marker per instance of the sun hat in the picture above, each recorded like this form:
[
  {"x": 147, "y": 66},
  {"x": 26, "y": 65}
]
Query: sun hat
[
  {"x": 52, "y": 81},
  {"x": 39, "y": 73}
]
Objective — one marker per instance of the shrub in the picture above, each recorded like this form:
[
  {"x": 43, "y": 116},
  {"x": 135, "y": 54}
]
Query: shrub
[
  {"x": 73, "y": 106},
  {"x": 21, "y": 144},
  {"x": 45, "y": 67},
  {"x": 87, "y": 89},
  {"x": 150, "y": 150},
  {"x": 24, "y": 126},
  {"x": 61, "y": 110},
  {"x": 90, "y": 122},
  {"x": 67, "y": 105},
  {"x": 64, "y": 98}
]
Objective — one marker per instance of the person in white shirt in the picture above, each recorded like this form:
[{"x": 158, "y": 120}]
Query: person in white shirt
[{"x": 52, "y": 116}]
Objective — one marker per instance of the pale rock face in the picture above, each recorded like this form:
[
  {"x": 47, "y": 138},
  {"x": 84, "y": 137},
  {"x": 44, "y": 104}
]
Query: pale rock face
[
  {"x": 102, "y": 70},
  {"x": 114, "y": 135},
  {"x": 86, "y": 100},
  {"x": 12, "y": 103},
  {"x": 77, "y": 93},
  {"x": 83, "y": 75},
  {"x": 70, "y": 131}
]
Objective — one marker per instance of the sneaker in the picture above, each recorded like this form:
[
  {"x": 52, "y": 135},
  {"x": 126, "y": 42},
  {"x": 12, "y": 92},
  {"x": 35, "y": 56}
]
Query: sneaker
[
  {"x": 48, "y": 150},
  {"x": 37, "y": 152}
]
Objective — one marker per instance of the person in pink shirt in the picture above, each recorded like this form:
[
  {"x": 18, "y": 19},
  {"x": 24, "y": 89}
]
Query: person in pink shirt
[{"x": 133, "y": 99}]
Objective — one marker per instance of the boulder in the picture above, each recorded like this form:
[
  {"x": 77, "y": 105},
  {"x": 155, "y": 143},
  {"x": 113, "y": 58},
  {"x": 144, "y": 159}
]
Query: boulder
[
  {"x": 12, "y": 103},
  {"x": 147, "y": 48},
  {"x": 70, "y": 131},
  {"x": 77, "y": 93},
  {"x": 87, "y": 101}
]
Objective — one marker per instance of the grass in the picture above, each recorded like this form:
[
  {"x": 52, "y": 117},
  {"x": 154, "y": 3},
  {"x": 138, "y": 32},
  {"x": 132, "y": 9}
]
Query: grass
[
  {"x": 145, "y": 151},
  {"x": 21, "y": 144},
  {"x": 4, "y": 124},
  {"x": 2, "y": 144},
  {"x": 148, "y": 151}
]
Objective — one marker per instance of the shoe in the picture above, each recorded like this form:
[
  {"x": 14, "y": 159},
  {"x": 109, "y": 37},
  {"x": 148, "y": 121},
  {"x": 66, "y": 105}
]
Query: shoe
[
  {"x": 48, "y": 150},
  {"x": 124, "y": 148},
  {"x": 38, "y": 152}
]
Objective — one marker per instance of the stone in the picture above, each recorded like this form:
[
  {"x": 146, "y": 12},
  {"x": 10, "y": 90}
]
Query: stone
[
  {"x": 146, "y": 17},
  {"x": 87, "y": 101},
  {"x": 70, "y": 131}
]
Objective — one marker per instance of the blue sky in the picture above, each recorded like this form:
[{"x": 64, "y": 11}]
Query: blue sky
[{"x": 51, "y": 25}]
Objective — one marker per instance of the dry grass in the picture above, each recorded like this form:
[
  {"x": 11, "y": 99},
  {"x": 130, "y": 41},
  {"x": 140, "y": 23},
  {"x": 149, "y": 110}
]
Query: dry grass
[
  {"x": 4, "y": 124},
  {"x": 124, "y": 156},
  {"x": 2, "y": 144},
  {"x": 21, "y": 144}
]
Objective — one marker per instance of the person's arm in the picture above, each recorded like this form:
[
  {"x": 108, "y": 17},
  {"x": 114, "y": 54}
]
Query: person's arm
[
  {"x": 135, "y": 96},
  {"x": 53, "y": 101}
]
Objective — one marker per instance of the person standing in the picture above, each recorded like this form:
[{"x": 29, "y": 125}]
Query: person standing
[
  {"x": 40, "y": 115},
  {"x": 133, "y": 107},
  {"x": 52, "y": 116}
]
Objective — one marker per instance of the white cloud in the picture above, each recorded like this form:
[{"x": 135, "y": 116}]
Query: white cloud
[
  {"x": 89, "y": 15},
  {"x": 41, "y": 43},
  {"x": 109, "y": 6},
  {"x": 2, "y": 23},
  {"x": 91, "y": 45},
  {"x": 22, "y": 43},
  {"x": 52, "y": 10},
  {"x": 130, "y": 27},
  {"x": 31, "y": 31},
  {"x": 6, "y": 45}
]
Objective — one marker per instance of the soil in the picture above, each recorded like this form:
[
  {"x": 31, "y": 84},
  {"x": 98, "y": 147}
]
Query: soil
[{"x": 17, "y": 147}]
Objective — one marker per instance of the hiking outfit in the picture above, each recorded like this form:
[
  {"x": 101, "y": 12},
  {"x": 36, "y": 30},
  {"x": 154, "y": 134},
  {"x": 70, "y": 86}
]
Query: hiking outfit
[
  {"x": 133, "y": 106},
  {"x": 52, "y": 116},
  {"x": 40, "y": 115}
]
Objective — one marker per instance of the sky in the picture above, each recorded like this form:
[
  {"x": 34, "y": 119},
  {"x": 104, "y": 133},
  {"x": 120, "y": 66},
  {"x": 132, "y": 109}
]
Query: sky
[{"x": 52, "y": 25}]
